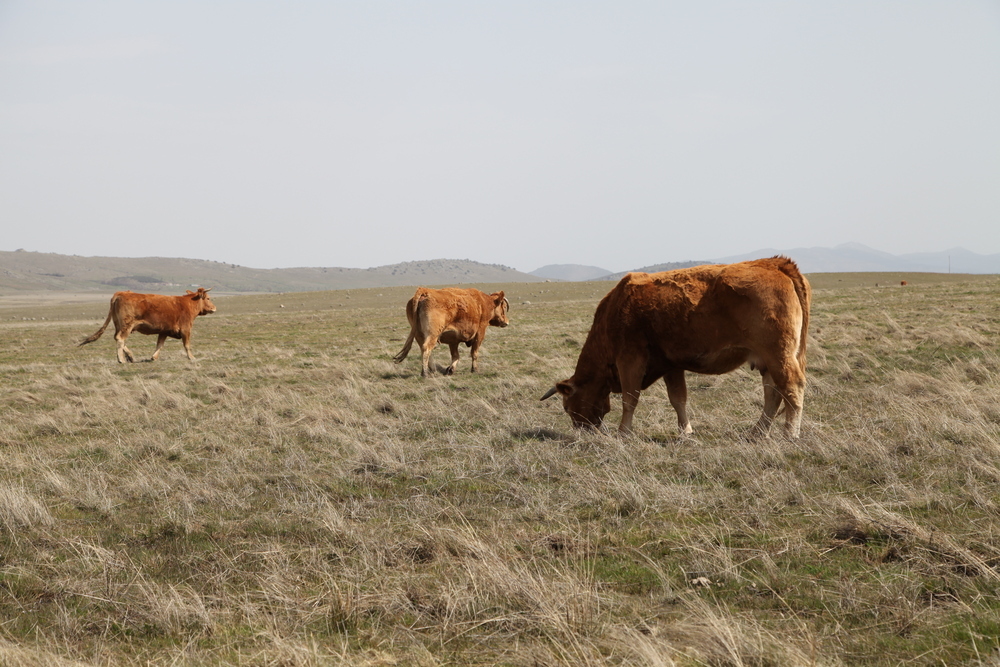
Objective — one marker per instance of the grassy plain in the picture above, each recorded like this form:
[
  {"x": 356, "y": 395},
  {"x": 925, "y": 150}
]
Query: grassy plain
[{"x": 295, "y": 498}]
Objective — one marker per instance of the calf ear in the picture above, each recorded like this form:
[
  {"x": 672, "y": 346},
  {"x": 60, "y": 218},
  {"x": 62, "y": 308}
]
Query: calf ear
[{"x": 497, "y": 297}]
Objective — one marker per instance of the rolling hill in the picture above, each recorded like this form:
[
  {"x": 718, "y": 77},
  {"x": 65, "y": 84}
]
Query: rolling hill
[{"x": 22, "y": 271}]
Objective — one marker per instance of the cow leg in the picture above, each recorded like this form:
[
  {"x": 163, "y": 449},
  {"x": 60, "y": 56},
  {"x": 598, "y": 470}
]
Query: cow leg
[
  {"x": 772, "y": 401},
  {"x": 793, "y": 410},
  {"x": 630, "y": 373},
  {"x": 677, "y": 392},
  {"x": 454, "y": 359},
  {"x": 160, "y": 340},
  {"x": 186, "y": 339},
  {"x": 427, "y": 346},
  {"x": 794, "y": 392},
  {"x": 123, "y": 352},
  {"x": 785, "y": 384},
  {"x": 474, "y": 353}
]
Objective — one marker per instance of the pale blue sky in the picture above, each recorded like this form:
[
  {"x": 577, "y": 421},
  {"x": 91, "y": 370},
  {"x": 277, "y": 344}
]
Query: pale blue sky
[{"x": 618, "y": 134}]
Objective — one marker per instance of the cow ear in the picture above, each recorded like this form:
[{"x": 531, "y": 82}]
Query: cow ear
[
  {"x": 566, "y": 388},
  {"x": 497, "y": 297}
]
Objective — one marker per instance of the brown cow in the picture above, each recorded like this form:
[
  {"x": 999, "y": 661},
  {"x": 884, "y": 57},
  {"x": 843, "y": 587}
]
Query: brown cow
[
  {"x": 164, "y": 316},
  {"x": 706, "y": 319},
  {"x": 451, "y": 315}
]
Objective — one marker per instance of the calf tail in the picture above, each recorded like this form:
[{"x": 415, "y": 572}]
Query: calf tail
[{"x": 97, "y": 334}]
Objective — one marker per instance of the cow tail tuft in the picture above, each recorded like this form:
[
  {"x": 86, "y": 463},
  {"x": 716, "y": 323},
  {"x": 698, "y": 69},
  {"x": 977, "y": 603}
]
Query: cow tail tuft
[
  {"x": 97, "y": 334},
  {"x": 406, "y": 348}
]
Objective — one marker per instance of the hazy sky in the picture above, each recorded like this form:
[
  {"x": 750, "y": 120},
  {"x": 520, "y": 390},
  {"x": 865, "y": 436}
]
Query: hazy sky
[{"x": 619, "y": 134}]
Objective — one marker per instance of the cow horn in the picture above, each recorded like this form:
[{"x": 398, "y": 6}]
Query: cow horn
[{"x": 549, "y": 393}]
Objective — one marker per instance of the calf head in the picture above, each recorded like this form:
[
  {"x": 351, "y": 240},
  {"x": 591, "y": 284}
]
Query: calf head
[
  {"x": 204, "y": 300},
  {"x": 500, "y": 308},
  {"x": 586, "y": 403}
]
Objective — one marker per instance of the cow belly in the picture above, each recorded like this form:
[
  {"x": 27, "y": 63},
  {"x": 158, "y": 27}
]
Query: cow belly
[
  {"x": 717, "y": 363},
  {"x": 154, "y": 331},
  {"x": 451, "y": 337}
]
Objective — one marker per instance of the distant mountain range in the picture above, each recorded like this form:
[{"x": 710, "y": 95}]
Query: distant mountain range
[
  {"x": 847, "y": 257},
  {"x": 857, "y": 257},
  {"x": 26, "y": 271}
]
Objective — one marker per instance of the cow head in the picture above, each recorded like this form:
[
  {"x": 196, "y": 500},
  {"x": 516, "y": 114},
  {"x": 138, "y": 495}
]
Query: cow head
[
  {"x": 585, "y": 403},
  {"x": 500, "y": 307},
  {"x": 205, "y": 300}
]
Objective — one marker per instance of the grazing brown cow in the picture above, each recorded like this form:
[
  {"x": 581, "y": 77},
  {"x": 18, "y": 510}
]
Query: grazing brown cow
[
  {"x": 164, "y": 316},
  {"x": 903, "y": 283},
  {"x": 706, "y": 319},
  {"x": 451, "y": 315}
]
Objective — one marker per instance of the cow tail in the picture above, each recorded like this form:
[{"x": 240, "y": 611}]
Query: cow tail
[
  {"x": 97, "y": 334},
  {"x": 406, "y": 348},
  {"x": 413, "y": 311},
  {"x": 804, "y": 293}
]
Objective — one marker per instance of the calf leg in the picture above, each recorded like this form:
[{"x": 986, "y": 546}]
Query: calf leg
[
  {"x": 794, "y": 395},
  {"x": 123, "y": 352},
  {"x": 474, "y": 353},
  {"x": 785, "y": 383},
  {"x": 772, "y": 401},
  {"x": 427, "y": 346},
  {"x": 677, "y": 392},
  {"x": 161, "y": 339},
  {"x": 454, "y": 359},
  {"x": 186, "y": 339}
]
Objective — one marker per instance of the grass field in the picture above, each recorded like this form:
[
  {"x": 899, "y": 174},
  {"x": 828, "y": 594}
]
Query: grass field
[{"x": 295, "y": 498}]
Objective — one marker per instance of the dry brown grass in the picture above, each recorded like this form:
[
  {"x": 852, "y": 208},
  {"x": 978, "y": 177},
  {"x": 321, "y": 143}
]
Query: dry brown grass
[{"x": 295, "y": 498}]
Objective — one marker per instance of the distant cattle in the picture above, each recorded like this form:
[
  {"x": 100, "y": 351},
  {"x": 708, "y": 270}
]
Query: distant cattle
[
  {"x": 154, "y": 314},
  {"x": 706, "y": 319},
  {"x": 903, "y": 283},
  {"x": 452, "y": 316}
]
